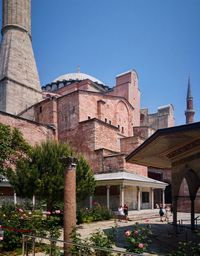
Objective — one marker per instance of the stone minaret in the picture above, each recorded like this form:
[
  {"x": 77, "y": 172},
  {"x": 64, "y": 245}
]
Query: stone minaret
[
  {"x": 189, "y": 113},
  {"x": 19, "y": 80}
]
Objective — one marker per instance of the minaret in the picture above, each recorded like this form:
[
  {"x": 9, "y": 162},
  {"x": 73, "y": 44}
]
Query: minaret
[
  {"x": 19, "y": 80},
  {"x": 189, "y": 113}
]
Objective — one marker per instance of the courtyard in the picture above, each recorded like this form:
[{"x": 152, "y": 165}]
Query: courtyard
[{"x": 164, "y": 240}]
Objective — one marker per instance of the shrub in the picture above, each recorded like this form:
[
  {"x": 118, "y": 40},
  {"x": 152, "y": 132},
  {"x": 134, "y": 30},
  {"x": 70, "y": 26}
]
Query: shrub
[
  {"x": 138, "y": 238},
  {"x": 97, "y": 239},
  {"x": 16, "y": 221},
  {"x": 97, "y": 213},
  {"x": 187, "y": 248}
]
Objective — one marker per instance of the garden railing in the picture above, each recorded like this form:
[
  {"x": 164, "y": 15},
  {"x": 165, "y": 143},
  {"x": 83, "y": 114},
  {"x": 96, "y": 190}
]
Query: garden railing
[{"x": 36, "y": 246}]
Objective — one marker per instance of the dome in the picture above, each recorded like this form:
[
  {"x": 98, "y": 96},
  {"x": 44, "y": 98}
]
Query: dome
[{"x": 77, "y": 76}]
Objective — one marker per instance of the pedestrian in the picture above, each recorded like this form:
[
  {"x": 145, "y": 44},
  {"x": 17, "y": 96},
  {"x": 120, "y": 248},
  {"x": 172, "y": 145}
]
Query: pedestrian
[
  {"x": 120, "y": 212},
  {"x": 161, "y": 212},
  {"x": 167, "y": 213},
  {"x": 126, "y": 211}
]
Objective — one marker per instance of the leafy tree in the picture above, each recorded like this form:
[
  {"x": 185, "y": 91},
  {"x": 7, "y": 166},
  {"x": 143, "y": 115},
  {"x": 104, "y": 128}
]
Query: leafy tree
[
  {"x": 85, "y": 183},
  {"x": 12, "y": 146},
  {"x": 42, "y": 174}
]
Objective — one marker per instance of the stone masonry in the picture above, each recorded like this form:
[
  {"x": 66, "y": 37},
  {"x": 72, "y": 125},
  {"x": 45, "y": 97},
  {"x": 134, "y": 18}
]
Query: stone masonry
[{"x": 19, "y": 80}]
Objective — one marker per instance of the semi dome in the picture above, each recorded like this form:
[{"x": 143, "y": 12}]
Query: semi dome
[{"x": 77, "y": 76}]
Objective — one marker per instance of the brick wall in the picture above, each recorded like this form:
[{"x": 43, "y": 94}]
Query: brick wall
[
  {"x": 112, "y": 110},
  {"x": 32, "y": 131},
  {"x": 137, "y": 169},
  {"x": 128, "y": 144},
  {"x": 127, "y": 87}
]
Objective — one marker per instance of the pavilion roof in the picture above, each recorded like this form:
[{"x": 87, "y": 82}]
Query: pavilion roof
[{"x": 167, "y": 145}]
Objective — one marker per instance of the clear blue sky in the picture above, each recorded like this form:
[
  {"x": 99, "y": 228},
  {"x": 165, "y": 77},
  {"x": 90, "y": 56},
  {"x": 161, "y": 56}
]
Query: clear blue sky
[{"x": 159, "y": 39}]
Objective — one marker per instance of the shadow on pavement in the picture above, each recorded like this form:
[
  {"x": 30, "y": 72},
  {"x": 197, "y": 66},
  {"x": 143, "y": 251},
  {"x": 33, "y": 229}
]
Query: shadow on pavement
[{"x": 164, "y": 239}]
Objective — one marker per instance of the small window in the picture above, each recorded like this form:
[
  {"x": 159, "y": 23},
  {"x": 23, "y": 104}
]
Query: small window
[
  {"x": 118, "y": 126},
  {"x": 109, "y": 122},
  {"x": 145, "y": 197},
  {"x": 106, "y": 120},
  {"x": 89, "y": 117},
  {"x": 40, "y": 109},
  {"x": 122, "y": 129}
]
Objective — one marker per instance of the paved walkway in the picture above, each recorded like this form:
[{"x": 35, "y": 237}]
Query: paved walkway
[{"x": 164, "y": 240}]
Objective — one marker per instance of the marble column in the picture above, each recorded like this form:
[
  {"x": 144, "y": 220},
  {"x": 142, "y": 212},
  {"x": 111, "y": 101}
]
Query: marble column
[
  {"x": 122, "y": 194},
  {"x": 152, "y": 198},
  {"x": 108, "y": 196},
  {"x": 15, "y": 198},
  {"x": 91, "y": 199},
  {"x": 163, "y": 196},
  {"x": 138, "y": 198},
  {"x": 33, "y": 201}
]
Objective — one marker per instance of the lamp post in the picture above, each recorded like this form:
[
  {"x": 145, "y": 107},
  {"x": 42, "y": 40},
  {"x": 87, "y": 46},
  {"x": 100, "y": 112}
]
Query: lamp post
[{"x": 69, "y": 200}]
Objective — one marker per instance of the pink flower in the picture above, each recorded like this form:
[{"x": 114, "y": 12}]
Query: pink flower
[
  {"x": 140, "y": 245},
  {"x": 20, "y": 210},
  {"x": 48, "y": 213},
  {"x": 57, "y": 211},
  {"x": 136, "y": 232},
  {"x": 127, "y": 233}
]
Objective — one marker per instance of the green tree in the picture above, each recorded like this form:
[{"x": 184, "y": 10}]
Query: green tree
[
  {"x": 12, "y": 147},
  {"x": 85, "y": 182},
  {"x": 42, "y": 174}
]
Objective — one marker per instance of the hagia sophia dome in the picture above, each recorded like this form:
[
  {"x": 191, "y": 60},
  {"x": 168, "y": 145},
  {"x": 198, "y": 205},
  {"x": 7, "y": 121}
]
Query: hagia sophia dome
[{"x": 77, "y": 76}]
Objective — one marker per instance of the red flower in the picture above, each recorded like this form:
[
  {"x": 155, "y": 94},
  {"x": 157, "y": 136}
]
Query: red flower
[
  {"x": 127, "y": 233},
  {"x": 136, "y": 232},
  {"x": 141, "y": 246}
]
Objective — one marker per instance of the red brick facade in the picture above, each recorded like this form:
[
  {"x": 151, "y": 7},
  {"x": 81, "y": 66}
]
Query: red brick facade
[
  {"x": 101, "y": 123},
  {"x": 33, "y": 132}
]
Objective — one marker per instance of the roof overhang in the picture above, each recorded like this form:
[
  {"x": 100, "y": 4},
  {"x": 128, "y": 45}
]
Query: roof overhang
[
  {"x": 166, "y": 146},
  {"x": 128, "y": 179}
]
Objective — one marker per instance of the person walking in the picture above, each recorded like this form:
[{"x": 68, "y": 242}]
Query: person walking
[
  {"x": 126, "y": 211},
  {"x": 167, "y": 213},
  {"x": 161, "y": 212}
]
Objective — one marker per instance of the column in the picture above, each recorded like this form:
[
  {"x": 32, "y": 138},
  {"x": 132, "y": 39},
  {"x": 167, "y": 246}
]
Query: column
[
  {"x": 69, "y": 200},
  {"x": 163, "y": 196},
  {"x": 133, "y": 195},
  {"x": 192, "y": 198},
  {"x": 108, "y": 196},
  {"x": 15, "y": 198},
  {"x": 122, "y": 194},
  {"x": 138, "y": 199},
  {"x": 174, "y": 207},
  {"x": 91, "y": 199},
  {"x": 152, "y": 198},
  {"x": 33, "y": 201}
]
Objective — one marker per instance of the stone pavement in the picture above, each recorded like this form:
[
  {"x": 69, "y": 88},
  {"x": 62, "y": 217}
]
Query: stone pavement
[{"x": 164, "y": 240}]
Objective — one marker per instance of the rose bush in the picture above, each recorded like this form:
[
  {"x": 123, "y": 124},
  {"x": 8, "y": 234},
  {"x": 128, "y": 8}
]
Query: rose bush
[
  {"x": 138, "y": 238},
  {"x": 16, "y": 221}
]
